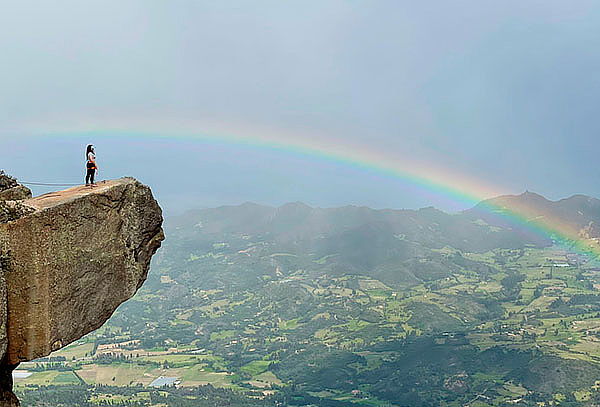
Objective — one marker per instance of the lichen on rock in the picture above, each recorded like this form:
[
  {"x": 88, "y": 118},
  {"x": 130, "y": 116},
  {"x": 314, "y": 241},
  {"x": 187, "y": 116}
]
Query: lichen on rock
[
  {"x": 6, "y": 181},
  {"x": 13, "y": 210},
  {"x": 11, "y": 190}
]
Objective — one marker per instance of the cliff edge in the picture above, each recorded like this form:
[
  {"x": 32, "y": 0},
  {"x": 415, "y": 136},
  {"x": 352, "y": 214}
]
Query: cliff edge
[{"x": 68, "y": 259}]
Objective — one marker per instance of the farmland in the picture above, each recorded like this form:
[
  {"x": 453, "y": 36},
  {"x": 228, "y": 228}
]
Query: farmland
[{"x": 249, "y": 319}]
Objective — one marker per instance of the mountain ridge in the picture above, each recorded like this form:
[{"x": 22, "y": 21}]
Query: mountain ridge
[
  {"x": 524, "y": 196},
  {"x": 574, "y": 214}
]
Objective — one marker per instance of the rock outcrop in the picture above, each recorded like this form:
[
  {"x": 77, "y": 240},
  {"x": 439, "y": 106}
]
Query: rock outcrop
[
  {"x": 11, "y": 190},
  {"x": 15, "y": 193},
  {"x": 67, "y": 260}
]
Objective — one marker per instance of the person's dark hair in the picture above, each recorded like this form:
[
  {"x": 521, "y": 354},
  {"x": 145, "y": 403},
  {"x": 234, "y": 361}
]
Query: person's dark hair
[{"x": 90, "y": 149}]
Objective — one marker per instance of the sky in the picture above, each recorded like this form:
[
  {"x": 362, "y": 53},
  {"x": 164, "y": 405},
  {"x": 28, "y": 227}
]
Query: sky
[{"x": 504, "y": 93}]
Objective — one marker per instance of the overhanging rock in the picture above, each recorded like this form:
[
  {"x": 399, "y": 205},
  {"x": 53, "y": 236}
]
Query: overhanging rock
[{"x": 69, "y": 263}]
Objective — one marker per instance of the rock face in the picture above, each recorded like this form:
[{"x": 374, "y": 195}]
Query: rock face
[
  {"x": 11, "y": 190},
  {"x": 69, "y": 263},
  {"x": 15, "y": 193}
]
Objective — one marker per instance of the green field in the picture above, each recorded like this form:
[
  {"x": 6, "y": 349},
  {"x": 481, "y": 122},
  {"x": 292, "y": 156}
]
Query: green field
[
  {"x": 49, "y": 378},
  {"x": 407, "y": 322}
]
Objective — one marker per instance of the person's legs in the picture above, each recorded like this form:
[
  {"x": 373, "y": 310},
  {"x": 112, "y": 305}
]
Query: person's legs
[
  {"x": 89, "y": 176},
  {"x": 93, "y": 174}
]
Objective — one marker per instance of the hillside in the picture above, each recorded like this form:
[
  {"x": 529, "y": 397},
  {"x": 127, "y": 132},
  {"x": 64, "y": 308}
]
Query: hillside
[
  {"x": 351, "y": 306},
  {"x": 578, "y": 216}
]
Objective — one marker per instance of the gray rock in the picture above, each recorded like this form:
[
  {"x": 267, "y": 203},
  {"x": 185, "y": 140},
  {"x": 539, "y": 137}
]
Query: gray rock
[
  {"x": 69, "y": 263},
  {"x": 15, "y": 193}
]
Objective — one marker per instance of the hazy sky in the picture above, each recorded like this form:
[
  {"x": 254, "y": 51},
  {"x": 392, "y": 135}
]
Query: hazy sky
[{"x": 505, "y": 91}]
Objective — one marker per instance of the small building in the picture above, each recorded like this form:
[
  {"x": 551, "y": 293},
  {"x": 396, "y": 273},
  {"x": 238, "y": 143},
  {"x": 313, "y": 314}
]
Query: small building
[{"x": 162, "y": 381}]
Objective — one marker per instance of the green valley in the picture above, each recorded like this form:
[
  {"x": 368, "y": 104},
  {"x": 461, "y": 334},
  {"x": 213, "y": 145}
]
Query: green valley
[{"x": 298, "y": 306}]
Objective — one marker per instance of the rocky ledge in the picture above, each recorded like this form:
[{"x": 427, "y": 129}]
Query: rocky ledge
[{"x": 68, "y": 259}]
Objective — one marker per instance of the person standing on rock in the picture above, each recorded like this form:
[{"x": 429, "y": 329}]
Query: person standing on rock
[{"x": 91, "y": 166}]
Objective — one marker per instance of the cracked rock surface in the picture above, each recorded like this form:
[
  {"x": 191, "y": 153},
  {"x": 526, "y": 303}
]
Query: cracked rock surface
[{"x": 68, "y": 260}]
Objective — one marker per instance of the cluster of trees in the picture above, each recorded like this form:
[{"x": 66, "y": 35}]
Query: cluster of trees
[{"x": 87, "y": 396}]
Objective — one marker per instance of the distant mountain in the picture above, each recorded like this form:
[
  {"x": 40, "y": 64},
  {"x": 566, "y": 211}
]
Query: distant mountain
[
  {"x": 490, "y": 224},
  {"x": 385, "y": 243},
  {"x": 577, "y": 216},
  {"x": 397, "y": 246}
]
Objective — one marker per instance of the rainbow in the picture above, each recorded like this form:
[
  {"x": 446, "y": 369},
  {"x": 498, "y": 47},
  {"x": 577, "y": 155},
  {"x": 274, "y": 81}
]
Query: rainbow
[{"x": 442, "y": 182}]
